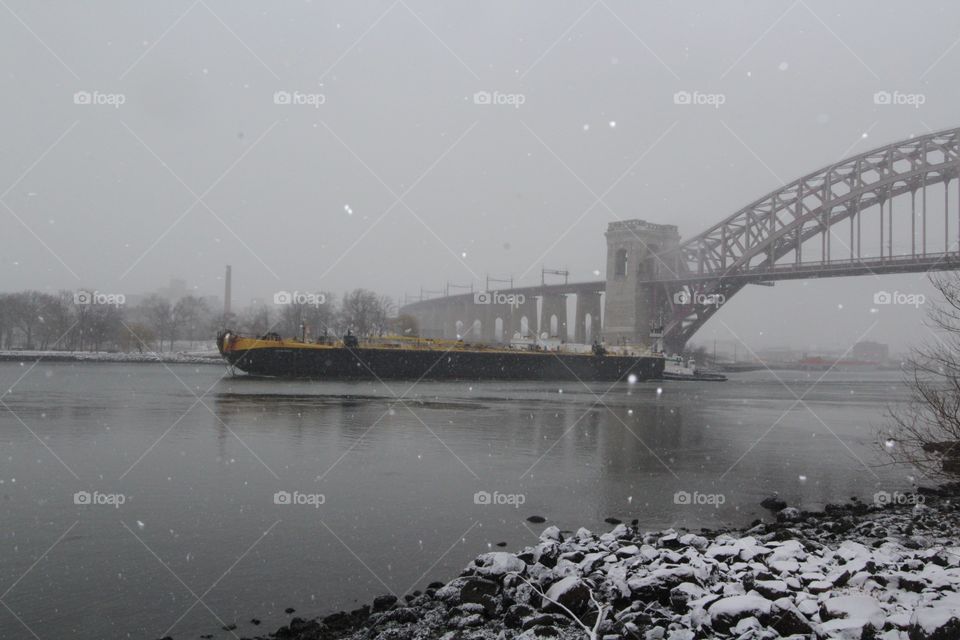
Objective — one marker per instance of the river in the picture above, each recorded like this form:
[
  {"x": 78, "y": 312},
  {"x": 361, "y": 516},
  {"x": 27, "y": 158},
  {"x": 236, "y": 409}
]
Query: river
[{"x": 140, "y": 500}]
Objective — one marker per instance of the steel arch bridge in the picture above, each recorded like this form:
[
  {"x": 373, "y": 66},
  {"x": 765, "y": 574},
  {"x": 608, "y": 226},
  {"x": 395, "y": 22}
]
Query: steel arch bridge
[
  {"x": 887, "y": 210},
  {"x": 776, "y": 237}
]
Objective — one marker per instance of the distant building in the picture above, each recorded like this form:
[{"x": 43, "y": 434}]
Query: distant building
[
  {"x": 867, "y": 351},
  {"x": 175, "y": 290}
]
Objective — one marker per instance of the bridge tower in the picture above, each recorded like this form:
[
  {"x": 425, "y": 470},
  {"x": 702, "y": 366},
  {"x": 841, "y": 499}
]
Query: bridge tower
[{"x": 638, "y": 252}]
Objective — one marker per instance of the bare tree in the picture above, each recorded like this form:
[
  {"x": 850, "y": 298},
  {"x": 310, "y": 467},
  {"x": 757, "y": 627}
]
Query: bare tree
[
  {"x": 27, "y": 313},
  {"x": 136, "y": 336},
  {"x": 157, "y": 313},
  {"x": 255, "y": 320},
  {"x": 925, "y": 431},
  {"x": 365, "y": 313},
  {"x": 189, "y": 318},
  {"x": 106, "y": 321},
  {"x": 58, "y": 319}
]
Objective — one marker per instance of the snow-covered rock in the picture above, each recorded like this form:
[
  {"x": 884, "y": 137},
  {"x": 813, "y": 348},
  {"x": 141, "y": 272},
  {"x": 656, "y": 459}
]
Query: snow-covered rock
[{"x": 726, "y": 612}]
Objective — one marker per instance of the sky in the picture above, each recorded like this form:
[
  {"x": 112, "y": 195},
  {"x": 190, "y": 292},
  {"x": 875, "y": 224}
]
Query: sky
[{"x": 335, "y": 145}]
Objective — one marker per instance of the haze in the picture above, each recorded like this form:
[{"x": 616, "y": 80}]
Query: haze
[{"x": 390, "y": 176}]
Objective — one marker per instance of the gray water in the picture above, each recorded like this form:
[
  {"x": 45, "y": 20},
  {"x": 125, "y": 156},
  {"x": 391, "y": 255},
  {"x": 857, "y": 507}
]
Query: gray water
[{"x": 197, "y": 460}]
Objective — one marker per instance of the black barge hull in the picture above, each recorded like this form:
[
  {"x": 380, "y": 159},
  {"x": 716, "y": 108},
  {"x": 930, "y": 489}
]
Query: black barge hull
[{"x": 372, "y": 363}]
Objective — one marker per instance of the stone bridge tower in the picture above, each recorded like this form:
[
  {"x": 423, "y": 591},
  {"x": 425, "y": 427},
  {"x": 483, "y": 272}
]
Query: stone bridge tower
[{"x": 637, "y": 252}]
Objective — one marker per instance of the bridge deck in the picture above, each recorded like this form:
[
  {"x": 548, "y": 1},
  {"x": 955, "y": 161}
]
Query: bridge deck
[{"x": 833, "y": 269}]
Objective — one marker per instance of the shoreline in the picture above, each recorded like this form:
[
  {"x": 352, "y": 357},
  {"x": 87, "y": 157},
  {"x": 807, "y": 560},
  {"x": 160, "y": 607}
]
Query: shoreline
[
  {"x": 110, "y": 357},
  {"x": 853, "y": 571}
]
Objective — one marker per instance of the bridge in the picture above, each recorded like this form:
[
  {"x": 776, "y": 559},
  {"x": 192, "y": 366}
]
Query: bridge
[{"x": 884, "y": 211}]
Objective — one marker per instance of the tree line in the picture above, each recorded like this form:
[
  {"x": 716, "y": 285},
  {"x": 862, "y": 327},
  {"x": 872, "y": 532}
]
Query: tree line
[{"x": 87, "y": 321}]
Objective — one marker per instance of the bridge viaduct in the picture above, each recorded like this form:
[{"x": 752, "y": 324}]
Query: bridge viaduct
[{"x": 888, "y": 210}]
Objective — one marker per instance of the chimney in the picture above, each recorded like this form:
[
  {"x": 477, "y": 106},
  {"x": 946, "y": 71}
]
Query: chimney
[{"x": 226, "y": 293}]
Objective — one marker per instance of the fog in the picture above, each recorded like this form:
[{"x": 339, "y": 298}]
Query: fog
[{"x": 383, "y": 171}]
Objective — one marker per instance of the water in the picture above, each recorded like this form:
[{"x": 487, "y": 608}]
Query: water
[{"x": 197, "y": 460}]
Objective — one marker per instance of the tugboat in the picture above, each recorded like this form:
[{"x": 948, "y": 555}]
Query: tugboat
[
  {"x": 399, "y": 357},
  {"x": 676, "y": 369}
]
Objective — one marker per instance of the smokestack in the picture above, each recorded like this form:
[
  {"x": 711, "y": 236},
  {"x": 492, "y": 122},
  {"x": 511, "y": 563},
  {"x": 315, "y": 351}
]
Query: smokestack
[{"x": 226, "y": 293}]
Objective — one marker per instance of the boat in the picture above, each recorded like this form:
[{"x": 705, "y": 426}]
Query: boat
[
  {"x": 675, "y": 368},
  {"x": 401, "y": 357}
]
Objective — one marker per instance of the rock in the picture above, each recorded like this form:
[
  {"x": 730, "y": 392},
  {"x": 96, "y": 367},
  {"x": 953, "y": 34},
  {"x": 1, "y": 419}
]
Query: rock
[
  {"x": 726, "y": 612},
  {"x": 658, "y": 583},
  {"x": 515, "y": 615},
  {"x": 384, "y": 602},
  {"x": 497, "y": 564},
  {"x": 939, "y": 620},
  {"x": 472, "y": 620},
  {"x": 571, "y": 592},
  {"x": 771, "y": 589},
  {"x": 697, "y": 542},
  {"x": 536, "y": 519},
  {"x": 551, "y": 533},
  {"x": 476, "y": 589},
  {"x": 851, "y": 613},
  {"x": 788, "y": 514},
  {"x": 774, "y": 503},
  {"x": 682, "y": 594},
  {"x": 787, "y": 620}
]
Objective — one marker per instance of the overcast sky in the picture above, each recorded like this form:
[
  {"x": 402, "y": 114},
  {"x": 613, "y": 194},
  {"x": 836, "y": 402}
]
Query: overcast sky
[{"x": 384, "y": 172}]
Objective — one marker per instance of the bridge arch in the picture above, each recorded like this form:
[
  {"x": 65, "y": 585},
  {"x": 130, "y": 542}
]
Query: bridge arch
[{"x": 749, "y": 246}]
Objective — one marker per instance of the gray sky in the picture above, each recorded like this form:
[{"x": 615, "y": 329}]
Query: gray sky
[{"x": 399, "y": 179}]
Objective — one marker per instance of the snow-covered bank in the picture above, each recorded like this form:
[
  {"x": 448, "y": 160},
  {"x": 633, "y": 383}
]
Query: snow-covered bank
[
  {"x": 179, "y": 357},
  {"x": 853, "y": 571}
]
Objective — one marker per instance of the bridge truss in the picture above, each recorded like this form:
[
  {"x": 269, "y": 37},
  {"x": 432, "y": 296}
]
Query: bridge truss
[{"x": 873, "y": 213}]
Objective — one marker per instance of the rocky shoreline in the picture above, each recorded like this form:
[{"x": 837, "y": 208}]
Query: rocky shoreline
[{"x": 853, "y": 571}]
